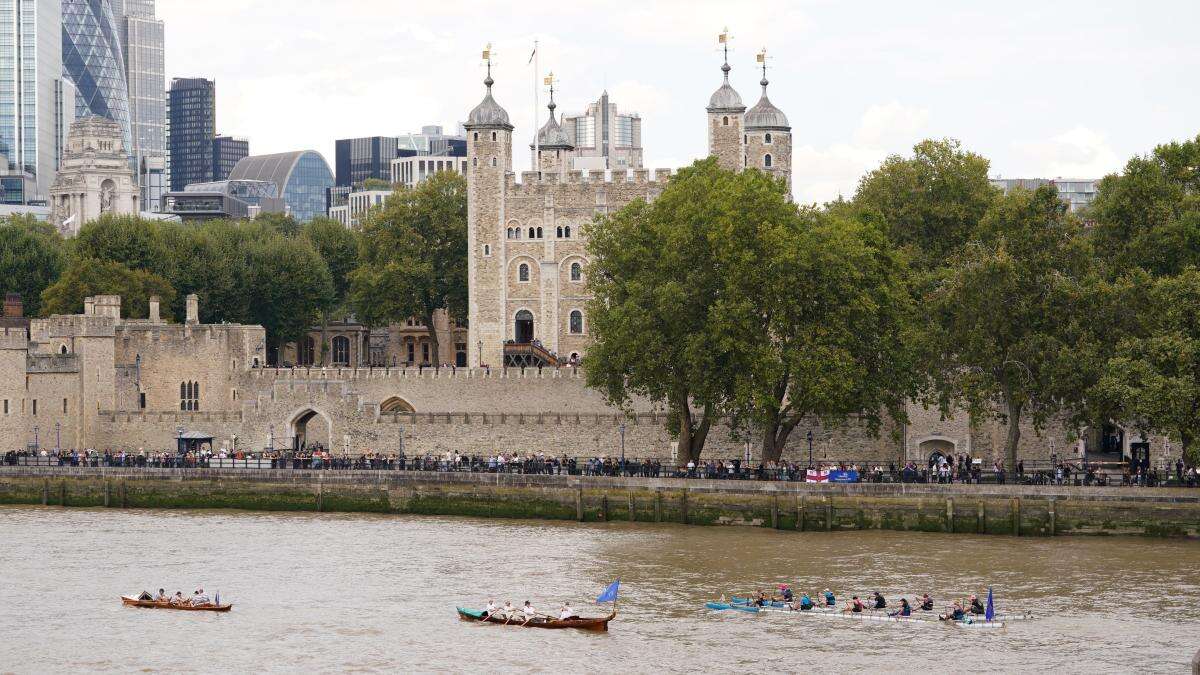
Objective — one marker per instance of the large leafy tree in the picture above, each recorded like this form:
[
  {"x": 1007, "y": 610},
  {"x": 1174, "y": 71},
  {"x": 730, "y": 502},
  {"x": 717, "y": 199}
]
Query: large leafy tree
[
  {"x": 88, "y": 276},
  {"x": 412, "y": 255},
  {"x": 930, "y": 203},
  {"x": 1153, "y": 380},
  {"x": 665, "y": 326},
  {"x": 338, "y": 247},
  {"x": 208, "y": 260},
  {"x": 1002, "y": 326},
  {"x": 134, "y": 242},
  {"x": 828, "y": 312},
  {"x": 31, "y": 258},
  {"x": 288, "y": 285}
]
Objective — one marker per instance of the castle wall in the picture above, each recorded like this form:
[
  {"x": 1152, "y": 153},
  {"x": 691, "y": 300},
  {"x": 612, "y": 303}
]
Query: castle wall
[{"x": 780, "y": 150}]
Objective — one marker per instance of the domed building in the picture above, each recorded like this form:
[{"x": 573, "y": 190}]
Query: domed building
[{"x": 95, "y": 176}]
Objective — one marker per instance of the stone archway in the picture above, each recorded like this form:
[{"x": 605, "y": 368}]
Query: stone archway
[
  {"x": 933, "y": 448},
  {"x": 310, "y": 427},
  {"x": 395, "y": 404}
]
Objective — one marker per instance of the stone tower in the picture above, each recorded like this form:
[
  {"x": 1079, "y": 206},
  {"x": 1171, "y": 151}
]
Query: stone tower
[
  {"x": 726, "y": 115},
  {"x": 489, "y": 160},
  {"x": 768, "y": 136},
  {"x": 553, "y": 149}
]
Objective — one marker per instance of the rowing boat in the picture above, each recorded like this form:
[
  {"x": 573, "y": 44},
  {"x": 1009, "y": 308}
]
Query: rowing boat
[
  {"x": 155, "y": 604},
  {"x": 599, "y": 624},
  {"x": 854, "y": 616},
  {"x": 777, "y": 606}
]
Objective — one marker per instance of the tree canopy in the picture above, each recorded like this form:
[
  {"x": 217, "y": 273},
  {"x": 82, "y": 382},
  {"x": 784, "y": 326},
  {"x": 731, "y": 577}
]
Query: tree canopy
[
  {"x": 85, "y": 277},
  {"x": 31, "y": 258}
]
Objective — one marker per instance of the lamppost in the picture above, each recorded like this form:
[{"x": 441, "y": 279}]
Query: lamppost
[
  {"x": 402, "y": 439},
  {"x": 36, "y": 445},
  {"x": 179, "y": 440},
  {"x": 271, "y": 438},
  {"x": 57, "y": 436},
  {"x": 622, "y": 448},
  {"x": 481, "y": 353},
  {"x": 810, "y": 460}
]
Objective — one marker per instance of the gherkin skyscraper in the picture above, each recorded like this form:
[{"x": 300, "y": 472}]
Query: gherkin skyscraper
[{"x": 94, "y": 60}]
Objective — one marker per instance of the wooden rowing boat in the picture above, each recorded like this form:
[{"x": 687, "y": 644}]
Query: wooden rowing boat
[
  {"x": 154, "y": 604},
  {"x": 599, "y": 624}
]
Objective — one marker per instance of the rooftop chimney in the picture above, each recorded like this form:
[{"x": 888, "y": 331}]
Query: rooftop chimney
[
  {"x": 13, "y": 306},
  {"x": 154, "y": 309},
  {"x": 193, "y": 309}
]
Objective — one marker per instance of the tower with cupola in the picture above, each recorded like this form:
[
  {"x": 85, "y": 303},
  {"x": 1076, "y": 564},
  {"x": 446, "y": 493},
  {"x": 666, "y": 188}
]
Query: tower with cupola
[
  {"x": 489, "y": 161},
  {"x": 552, "y": 151},
  {"x": 768, "y": 136},
  {"x": 726, "y": 120}
]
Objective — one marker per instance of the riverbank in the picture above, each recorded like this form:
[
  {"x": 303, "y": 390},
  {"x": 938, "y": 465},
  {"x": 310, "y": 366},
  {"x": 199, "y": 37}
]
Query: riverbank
[{"x": 1015, "y": 510}]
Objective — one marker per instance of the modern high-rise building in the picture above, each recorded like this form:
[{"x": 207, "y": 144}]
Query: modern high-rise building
[
  {"x": 1076, "y": 193},
  {"x": 302, "y": 177},
  {"x": 357, "y": 159},
  {"x": 433, "y": 141},
  {"x": 94, "y": 59},
  {"x": 227, "y": 151},
  {"x": 142, "y": 36},
  {"x": 191, "y": 128},
  {"x": 36, "y": 104},
  {"x": 604, "y": 138}
]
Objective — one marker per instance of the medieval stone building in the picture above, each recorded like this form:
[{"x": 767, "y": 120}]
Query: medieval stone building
[{"x": 95, "y": 177}]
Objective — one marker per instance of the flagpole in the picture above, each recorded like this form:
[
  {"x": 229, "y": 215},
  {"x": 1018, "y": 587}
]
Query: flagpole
[{"x": 536, "y": 141}]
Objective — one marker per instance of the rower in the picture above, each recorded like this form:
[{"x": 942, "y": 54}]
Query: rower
[
  {"x": 855, "y": 606},
  {"x": 178, "y": 598},
  {"x": 508, "y": 610},
  {"x": 926, "y": 603},
  {"x": 566, "y": 612},
  {"x": 529, "y": 612},
  {"x": 830, "y": 601},
  {"x": 162, "y": 596},
  {"x": 199, "y": 598},
  {"x": 761, "y": 600},
  {"x": 976, "y": 606},
  {"x": 489, "y": 610},
  {"x": 880, "y": 603},
  {"x": 786, "y": 592},
  {"x": 806, "y": 602},
  {"x": 905, "y": 609},
  {"x": 956, "y": 614}
]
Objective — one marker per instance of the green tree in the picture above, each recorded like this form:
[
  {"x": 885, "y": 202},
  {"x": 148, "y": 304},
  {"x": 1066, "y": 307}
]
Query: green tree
[
  {"x": 134, "y": 242},
  {"x": 283, "y": 223},
  {"x": 208, "y": 259},
  {"x": 1153, "y": 381},
  {"x": 931, "y": 203},
  {"x": 31, "y": 258},
  {"x": 1149, "y": 215},
  {"x": 85, "y": 277},
  {"x": 338, "y": 246},
  {"x": 1002, "y": 326},
  {"x": 663, "y": 328},
  {"x": 827, "y": 307},
  {"x": 413, "y": 256},
  {"x": 289, "y": 284}
]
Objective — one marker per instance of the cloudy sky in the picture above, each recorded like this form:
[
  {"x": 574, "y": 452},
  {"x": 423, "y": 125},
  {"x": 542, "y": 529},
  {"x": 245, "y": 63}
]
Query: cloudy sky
[{"x": 1043, "y": 89}]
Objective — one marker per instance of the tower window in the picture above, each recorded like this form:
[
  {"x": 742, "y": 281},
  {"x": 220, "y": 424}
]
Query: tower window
[
  {"x": 576, "y": 271},
  {"x": 493, "y": 135},
  {"x": 487, "y": 249},
  {"x": 189, "y": 396},
  {"x": 576, "y": 322},
  {"x": 559, "y": 232},
  {"x": 767, "y": 161},
  {"x": 539, "y": 233},
  {"x": 725, "y": 121},
  {"x": 476, "y": 134},
  {"x": 474, "y": 161},
  {"x": 567, "y": 231},
  {"x": 523, "y": 272},
  {"x": 767, "y": 139},
  {"x": 493, "y": 161}
]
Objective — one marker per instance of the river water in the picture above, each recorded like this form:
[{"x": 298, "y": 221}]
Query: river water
[{"x": 328, "y": 592}]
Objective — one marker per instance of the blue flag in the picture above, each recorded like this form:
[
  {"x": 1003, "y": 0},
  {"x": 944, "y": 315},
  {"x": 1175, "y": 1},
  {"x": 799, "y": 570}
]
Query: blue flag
[
  {"x": 610, "y": 593},
  {"x": 990, "y": 613}
]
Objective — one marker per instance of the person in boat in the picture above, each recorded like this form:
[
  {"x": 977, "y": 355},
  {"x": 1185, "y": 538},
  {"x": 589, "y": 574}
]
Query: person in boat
[
  {"x": 830, "y": 601},
  {"x": 976, "y": 606},
  {"x": 529, "y": 612},
  {"x": 178, "y": 598},
  {"x": 490, "y": 610},
  {"x": 879, "y": 602},
  {"x": 855, "y": 606},
  {"x": 785, "y": 593},
  {"x": 200, "y": 598},
  {"x": 761, "y": 600},
  {"x": 566, "y": 612},
  {"x": 508, "y": 611},
  {"x": 955, "y": 614},
  {"x": 806, "y": 603},
  {"x": 926, "y": 603},
  {"x": 905, "y": 609}
]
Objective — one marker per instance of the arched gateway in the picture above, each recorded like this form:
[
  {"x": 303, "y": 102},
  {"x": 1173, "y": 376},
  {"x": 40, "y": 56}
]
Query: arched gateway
[{"x": 310, "y": 428}]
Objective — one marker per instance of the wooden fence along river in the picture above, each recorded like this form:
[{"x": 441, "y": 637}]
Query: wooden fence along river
[{"x": 1015, "y": 510}]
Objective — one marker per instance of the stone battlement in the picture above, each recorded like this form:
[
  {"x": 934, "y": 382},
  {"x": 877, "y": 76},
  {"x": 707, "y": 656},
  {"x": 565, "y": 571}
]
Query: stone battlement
[
  {"x": 302, "y": 374},
  {"x": 13, "y": 338},
  {"x": 531, "y": 181},
  {"x": 542, "y": 418},
  {"x": 143, "y": 416},
  {"x": 74, "y": 325}
]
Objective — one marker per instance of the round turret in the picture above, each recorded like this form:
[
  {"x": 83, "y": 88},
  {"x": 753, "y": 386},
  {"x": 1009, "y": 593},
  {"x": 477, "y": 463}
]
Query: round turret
[{"x": 764, "y": 115}]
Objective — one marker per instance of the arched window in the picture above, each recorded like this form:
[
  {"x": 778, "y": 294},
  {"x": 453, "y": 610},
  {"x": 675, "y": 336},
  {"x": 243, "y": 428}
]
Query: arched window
[
  {"x": 559, "y": 232},
  {"x": 476, "y": 136},
  {"x": 487, "y": 249},
  {"x": 523, "y": 272},
  {"x": 767, "y": 138},
  {"x": 767, "y": 161},
  {"x": 474, "y": 161},
  {"x": 189, "y": 396},
  {"x": 62, "y": 349},
  {"x": 539, "y": 233},
  {"x": 725, "y": 121},
  {"x": 567, "y": 230},
  {"x": 531, "y": 231},
  {"x": 576, "y": 322},
  {"x": 493, "y": 161},
  {"x": 576, "y": 271},
  {"x": 523, "y": 328},
  {"x": 341, "y": 351},
  {"x": 493, "y": 135}
]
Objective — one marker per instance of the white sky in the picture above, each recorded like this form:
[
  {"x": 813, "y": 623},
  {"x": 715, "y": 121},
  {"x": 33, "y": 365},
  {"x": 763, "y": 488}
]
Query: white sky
[{"x": 1043, "y": 89}]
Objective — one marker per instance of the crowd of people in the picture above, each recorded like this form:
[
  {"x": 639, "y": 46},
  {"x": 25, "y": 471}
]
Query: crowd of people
[{"x": 947, "y": 469}]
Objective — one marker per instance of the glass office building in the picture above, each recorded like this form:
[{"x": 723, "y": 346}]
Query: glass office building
[
  {"x": 93, "y": 58},
  {"x": 192, "y": 124},
  {"x": 143, "y": 40},
  {"x": 303, "y": 178},
  {"x": 227, "y": 152}
]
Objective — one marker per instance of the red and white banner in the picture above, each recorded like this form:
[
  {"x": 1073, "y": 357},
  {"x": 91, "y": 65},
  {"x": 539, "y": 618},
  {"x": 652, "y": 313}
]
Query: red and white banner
[{"x": 815, "y": 476}]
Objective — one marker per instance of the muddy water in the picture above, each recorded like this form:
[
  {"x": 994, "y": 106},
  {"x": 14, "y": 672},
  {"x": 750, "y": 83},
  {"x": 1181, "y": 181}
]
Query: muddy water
[{"x": 322, "y": 593}]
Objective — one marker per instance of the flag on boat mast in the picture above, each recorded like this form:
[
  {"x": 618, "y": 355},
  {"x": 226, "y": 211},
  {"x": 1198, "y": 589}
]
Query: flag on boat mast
[
  {"x": 610, "y": 593},
  {"x": 990, "y": 613}
]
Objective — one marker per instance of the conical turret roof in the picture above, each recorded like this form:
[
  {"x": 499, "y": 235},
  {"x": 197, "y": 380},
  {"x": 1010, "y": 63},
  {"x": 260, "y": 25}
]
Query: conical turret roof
[
  {"x": 764, "y": 114},
  {"x": 488, "y": 113},
  {"x": 725, "y": 98}
]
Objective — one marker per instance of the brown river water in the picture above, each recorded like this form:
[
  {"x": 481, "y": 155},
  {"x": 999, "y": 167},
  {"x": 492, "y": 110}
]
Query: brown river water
[{"x": 334, "y": 593}]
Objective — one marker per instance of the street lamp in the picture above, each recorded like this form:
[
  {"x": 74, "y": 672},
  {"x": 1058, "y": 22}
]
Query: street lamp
[
  {"x": 481, "y": 353},
  {"x": 57, "y": 437},
  {"x": 271, "y": 438},
  {"x": 622, "y": 448},
  {"x": 36, "y": 445},
  {"x": 402, "y": 439},
  {"x": 810, "y": 459}
]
